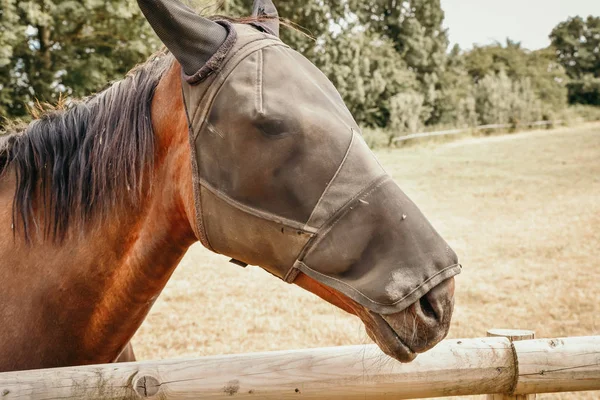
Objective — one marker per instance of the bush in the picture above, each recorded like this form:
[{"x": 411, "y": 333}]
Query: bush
[
  {"x": 405, "y": 114},
  {"x": 455, "y": 104},
  {"x": 583, "y": 112},
  {"x": 526, "y": 106},
  {"x": 494, "y": 99},
  {"x": 585, "y": 91},
  {"x": 368, "y": 72},
  {"x": 376, "y": 137},
  {"x": 500, "y": 100}
]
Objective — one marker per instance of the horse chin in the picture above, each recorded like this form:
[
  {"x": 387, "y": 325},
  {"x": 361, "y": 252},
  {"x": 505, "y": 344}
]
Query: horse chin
[
  {"x": 387, "y": 339},
  {"x": 404, "y": 343},
  {"x": 404, "y": 334},
  {"x": 415, "y": 330}
]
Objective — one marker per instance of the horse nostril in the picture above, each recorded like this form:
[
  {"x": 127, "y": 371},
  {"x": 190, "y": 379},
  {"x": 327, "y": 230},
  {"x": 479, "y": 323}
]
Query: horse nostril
[
  {"x": 427, "y": 308},
  {"x": 439, "y": 302}
]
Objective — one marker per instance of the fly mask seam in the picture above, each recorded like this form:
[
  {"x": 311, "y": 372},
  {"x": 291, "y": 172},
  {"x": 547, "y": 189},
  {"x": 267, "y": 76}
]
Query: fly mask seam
[
  {"x": 198, "y": 227},
  {"x": 330, "y": 224},
  {"x": 303, "y": 267},
  {"x": 259, "y": 83},
  {"x": 257, "y": 213},
  {"x": 337, "y": 217},
  {"x": 325, "y": 192}
]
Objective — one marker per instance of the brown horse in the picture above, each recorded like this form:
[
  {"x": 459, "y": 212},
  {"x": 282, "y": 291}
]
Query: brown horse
[{"x": 259, "y": 159}]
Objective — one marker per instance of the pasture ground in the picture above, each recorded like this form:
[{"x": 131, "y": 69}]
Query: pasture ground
[{"x": 522, "y": 211}]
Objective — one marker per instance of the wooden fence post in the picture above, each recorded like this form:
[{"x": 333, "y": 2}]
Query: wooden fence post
[{"x": 513, "y": 335}]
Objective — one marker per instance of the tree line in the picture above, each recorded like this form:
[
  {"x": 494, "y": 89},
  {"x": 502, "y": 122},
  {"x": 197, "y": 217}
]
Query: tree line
[{"x": 390, "y": 59}]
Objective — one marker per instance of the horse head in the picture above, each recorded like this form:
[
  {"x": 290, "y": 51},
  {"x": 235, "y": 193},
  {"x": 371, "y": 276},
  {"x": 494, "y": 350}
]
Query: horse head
[{"x": 282, "y": 179}]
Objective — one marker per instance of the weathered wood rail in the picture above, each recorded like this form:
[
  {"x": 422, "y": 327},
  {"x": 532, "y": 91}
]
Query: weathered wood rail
[
  {"x": 490, "y": 127},
  {"x": 454, "y": 367}
]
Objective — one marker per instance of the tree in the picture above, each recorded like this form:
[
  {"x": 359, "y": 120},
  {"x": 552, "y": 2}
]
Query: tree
[
  {"x": 585, "y": 91},
  {"x": 501, "y": 100},
  {"x": 577, "y": 45},
  {"x": 455, "y": 104},
  {"x": 540, "y": 68},
  {"x": 364, "y": 65},
  {"x": 549, "y": 80},
  {"x": 73, "y": 48},
  {"x": 492, "y": 59},
  {"x": 416, "y": 29},
  {"x": 10, "y": 32},
  {"x": 312, "y": 18},
  {"x": 368, "y": 73},
  {"x": 413, "y": 28}
]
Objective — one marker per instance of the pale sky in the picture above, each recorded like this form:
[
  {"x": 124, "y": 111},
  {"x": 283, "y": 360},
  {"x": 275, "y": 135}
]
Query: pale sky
[{"x": 526, "y": 21}]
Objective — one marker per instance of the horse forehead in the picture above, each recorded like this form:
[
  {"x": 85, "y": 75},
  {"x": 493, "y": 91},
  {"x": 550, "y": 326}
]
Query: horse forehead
[
  {"x": 261, "y": 75},
  {"x": 199, "y": 92}
]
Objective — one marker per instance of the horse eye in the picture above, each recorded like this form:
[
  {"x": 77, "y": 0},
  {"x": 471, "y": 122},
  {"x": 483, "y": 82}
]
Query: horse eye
[{"x": 274, "y": 127}]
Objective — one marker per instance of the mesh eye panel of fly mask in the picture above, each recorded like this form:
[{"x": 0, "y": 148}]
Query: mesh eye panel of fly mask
[{"x": 284, "y": 180}]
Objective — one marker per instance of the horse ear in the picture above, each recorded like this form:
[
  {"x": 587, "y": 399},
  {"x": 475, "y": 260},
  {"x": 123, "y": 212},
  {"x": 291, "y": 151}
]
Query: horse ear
[
  {"x": 192, "y": 39},
  {"x": 266, "y": 9}
]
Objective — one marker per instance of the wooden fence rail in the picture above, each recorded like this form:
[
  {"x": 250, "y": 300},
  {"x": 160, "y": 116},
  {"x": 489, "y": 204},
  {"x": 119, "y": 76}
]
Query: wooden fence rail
[
  {"x": 474, "y": 128},
  {"x": 454, "y": 367}
]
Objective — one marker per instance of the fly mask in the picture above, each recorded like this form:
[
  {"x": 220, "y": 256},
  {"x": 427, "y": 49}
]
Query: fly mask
[{"x": 282, "y": 176}]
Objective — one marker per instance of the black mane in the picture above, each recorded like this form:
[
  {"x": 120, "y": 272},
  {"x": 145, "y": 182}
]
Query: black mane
[{"x": 74, "y": 164}]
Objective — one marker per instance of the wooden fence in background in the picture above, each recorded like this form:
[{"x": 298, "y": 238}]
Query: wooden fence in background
[
  {"x": 454, "y": 367},
  {"x": 475, "y": 129}
]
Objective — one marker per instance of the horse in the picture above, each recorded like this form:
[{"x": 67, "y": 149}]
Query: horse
[{"x": 227, "y": 137}]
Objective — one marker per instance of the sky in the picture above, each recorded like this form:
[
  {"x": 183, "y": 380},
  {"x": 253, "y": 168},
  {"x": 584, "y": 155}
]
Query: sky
[{"x": 526, "y": 21}]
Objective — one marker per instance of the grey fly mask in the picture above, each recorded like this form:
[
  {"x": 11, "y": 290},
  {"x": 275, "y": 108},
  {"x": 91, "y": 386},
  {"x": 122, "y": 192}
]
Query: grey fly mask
[{"x": 283, "y": 178}]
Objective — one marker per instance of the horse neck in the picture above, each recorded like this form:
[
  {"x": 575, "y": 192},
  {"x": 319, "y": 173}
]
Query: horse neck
[
  {"x": 99, "y": 286},
  {"x": 160, "y": 232}
]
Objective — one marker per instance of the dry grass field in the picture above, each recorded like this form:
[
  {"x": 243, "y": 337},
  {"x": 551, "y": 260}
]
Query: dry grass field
[{"x": 522, "y": 211}]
